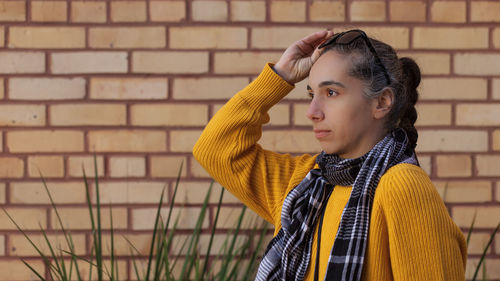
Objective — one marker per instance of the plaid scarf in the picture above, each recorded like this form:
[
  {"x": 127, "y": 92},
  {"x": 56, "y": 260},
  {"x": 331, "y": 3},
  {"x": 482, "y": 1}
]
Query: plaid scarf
[{"x": 289, "y": 252}]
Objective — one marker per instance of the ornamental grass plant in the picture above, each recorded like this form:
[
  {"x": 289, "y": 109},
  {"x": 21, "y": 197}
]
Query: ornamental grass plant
[{"x": 235, "y": 260}]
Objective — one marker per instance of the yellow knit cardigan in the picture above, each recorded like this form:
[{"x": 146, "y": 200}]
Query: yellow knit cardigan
[{"x": 411, "y": 235}]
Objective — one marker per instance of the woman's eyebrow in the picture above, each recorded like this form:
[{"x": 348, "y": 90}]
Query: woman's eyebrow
[{"x": 330, "y": 82}]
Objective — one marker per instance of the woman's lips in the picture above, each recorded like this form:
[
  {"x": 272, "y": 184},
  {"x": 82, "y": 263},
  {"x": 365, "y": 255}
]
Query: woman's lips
[{"x": 321, "y": 133}]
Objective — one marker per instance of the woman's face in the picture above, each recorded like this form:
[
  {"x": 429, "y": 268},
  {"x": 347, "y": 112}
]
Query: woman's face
[{"x": 343, "y": 118}]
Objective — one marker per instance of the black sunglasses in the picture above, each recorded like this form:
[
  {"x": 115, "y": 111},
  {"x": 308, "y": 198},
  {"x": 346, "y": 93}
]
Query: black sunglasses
[{"x": 347, "y": 37}]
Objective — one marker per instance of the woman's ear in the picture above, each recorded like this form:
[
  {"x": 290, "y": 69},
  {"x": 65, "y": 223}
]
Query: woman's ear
[{"x": 383, "y": 103}]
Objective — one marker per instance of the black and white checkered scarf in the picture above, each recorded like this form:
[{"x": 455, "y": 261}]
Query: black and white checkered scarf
[{"x": 289, "y": 252}]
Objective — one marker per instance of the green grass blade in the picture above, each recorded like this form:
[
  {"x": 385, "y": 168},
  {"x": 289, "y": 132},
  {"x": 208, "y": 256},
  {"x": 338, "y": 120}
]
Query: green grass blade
[
  {"x": 212, "y": 234},
  {"x": 34, "y": 271},
  {"x": 99, "y": 253},
  {"x": 190, "y": 257},
  {"x": 114, "y": 267},
  {"x": 253, "y": 258},
  {"x": 153, "y": 240},
  {"x": 230, "y": 252},
  {"x": 471, "y": 228},
  {"x": 483, "y": 256}
]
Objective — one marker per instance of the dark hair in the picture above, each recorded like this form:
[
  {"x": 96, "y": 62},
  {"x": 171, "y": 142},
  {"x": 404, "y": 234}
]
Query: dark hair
[{"x": 404, "y": 76}]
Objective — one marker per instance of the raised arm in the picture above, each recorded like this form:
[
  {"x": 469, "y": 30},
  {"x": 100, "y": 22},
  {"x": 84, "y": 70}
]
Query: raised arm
[{"x": 228, "y": 147}]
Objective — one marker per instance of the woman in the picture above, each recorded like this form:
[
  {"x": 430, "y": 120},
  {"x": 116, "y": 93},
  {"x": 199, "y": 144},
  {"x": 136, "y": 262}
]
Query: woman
[{"x": 329, "y": 222}]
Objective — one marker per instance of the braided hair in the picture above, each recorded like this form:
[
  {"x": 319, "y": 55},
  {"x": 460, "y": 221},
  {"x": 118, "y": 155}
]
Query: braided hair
[{"x": 404, "y": 75}]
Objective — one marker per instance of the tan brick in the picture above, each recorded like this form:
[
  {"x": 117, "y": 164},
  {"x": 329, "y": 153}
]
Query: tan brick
[
  {"x": 431, "y": 63},
  {"x": 486, "y": 216},
  {"x": 168, "y": 166},
  {"x": 2, "y": 36},
  {"x": 206, "y": 37},
  {"x": 450, "y": 38},
  {"x": 208, "y": 10},
  {"x": 196, "y": 192},
  {"x": 452, "y": 140},
  {"x": 228, "y": 218},
  {"x": 127, "y": 37},
  {"x": 288, "y": 11},
  {"x": 87, "y": 11},
  {"x": 15, "y": 270},
  {"x": 183, "y": 141},
  {"x": 35, "y": 193},
  {"x": 485, "y": 11},
  {"x": 397, "y": 37},
  {"x": 488, "y": 165},
  {"x": 425, "y": 163},
  {"x": 464, "y": 191},
  {"x": 45, "y": 141},
  {"x": 496, "y": 140},
  {"x": 125, "y": 167},
  {"x": 278, "y": 37},
  {"x": 88, "y": 114},
  {"x": 75, "y": 218},
  {"x": 407, "y": 11},
  {"x": 207, "y": 88},
  {"x": 48, "y": 166},
  {"x": 128, "y": 11},
  {"x": 141, "y": 242},
  {"x": 86, "y": 274},
  {"x": 327, "y": 11},
  {"x": 27, "y": 218},
  {"x": 477, "y": 64},
  {"x": 168, "y": 115},
  {"x": 477, "y": 243},
  {"x": 496, "y": 38},
  {"x": 453, "y": 89},
  {"x": 49, "y": 11},
  {"x": 18, "y": 244},
  {"x": 247, "y": 62},
  {"x": 448, "y": 11},
  {"x": 132, "y": 192},
  {"x": 280, "y": 115},
  {"x": 367, "y": 11},
  {"x": 128, "y": 88},
  {"x": 22, "y": 115},
  {"x": 496, "y": 89},
  {"x": 477, "y": 114},
  {"x": 142, "y": 219},
  {"x": 76, "y": 165},
  {"x": 47, "y": 37},
  {"x": 168, "y": 11},
  {"x": 219, "y": 241},
  {"x": 290, "y": 141},
  {"x": 433, "y": 114},
  {"x": 89, "y": 62},
  {"x": 46, "y": 88},
  {"x": 248, "y": 11},
  {"x": 197, "y": 170},
  {"x": 299, "y": 93},
  {"x": 12, "y": 10},
  {"x": 454, "y": 165},
  {"x": 170, "y": 62},
  {"x": 11, "y": 167},
  {"x": 2, "y": 87},
  {"x": 299, "y": 115},
  {"x": 2, "y": 245},
  {"x": 127, "y": 140},
  {"x": 3, "y": 196},
  {"x": 22, "y": 62}
]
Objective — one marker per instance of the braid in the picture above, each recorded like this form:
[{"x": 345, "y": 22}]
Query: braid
[{"x": 410, "y": 80}]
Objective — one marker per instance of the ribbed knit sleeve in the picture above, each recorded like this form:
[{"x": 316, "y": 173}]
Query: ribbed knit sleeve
[
  {"x": 424, "y": 242},
  {"x": 228, "y": 148}
]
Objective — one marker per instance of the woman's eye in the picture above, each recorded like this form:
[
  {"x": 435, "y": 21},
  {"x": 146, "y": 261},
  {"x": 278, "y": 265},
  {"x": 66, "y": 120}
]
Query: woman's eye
[
  {"x": 311, "y": 95},
  {"x": 331, "y": 92}
]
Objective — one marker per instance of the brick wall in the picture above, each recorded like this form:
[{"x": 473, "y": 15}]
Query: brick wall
[{"x": 136, "y": 81}]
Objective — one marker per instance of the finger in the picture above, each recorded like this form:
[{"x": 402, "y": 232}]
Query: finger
[{"x": 310, "y": 42}]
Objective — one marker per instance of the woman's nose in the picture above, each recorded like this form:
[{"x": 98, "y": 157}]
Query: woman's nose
[{"x": 314, "y": 112}]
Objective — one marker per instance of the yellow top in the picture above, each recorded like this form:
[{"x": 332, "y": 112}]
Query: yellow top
[{"x": 411, "y": 235}]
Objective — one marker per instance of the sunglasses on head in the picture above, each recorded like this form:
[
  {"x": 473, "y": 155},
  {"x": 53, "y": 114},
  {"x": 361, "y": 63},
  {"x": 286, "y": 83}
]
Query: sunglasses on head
[{"x": 347, "y": 37}]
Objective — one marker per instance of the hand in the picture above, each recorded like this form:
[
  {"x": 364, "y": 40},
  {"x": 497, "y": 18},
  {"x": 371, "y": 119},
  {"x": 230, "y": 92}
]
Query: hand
[{"x": 295, "y": 63}]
